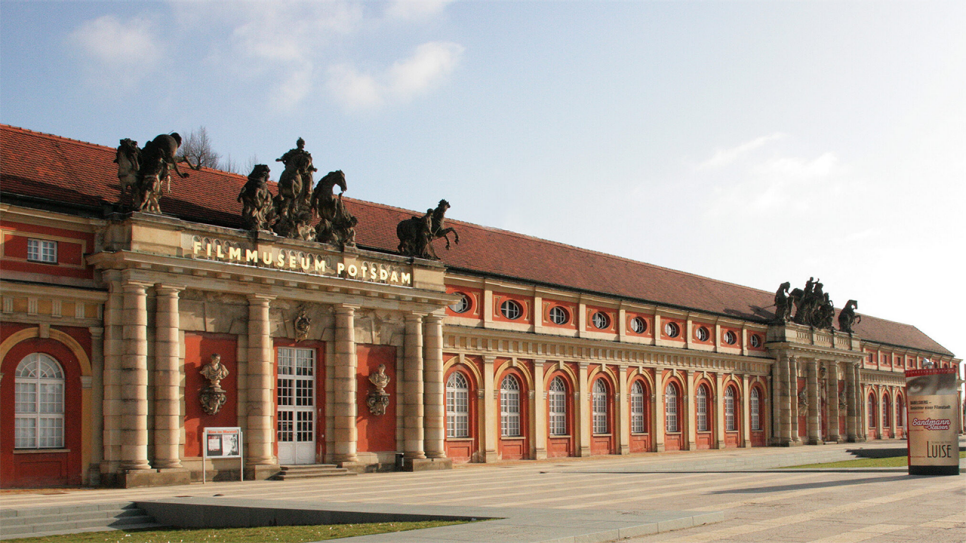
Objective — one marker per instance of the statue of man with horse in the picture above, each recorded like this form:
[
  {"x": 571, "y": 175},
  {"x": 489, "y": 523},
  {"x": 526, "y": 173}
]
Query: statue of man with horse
[
  {"x": 416, "y": 234},
  {"x": 848, "y": 318},
  {"x": 144, "y": 172}
]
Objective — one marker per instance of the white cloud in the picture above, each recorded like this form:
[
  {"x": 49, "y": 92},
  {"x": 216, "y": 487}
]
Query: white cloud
[
  {"x": 409, "y": 10},
  {"x": 116, "y": 52},
  {"x": 354, "y": 90},
  {"x": 724, "y": 157},
  {"x": 296, "y": 87},
  {"x": 406, "y": 79}
]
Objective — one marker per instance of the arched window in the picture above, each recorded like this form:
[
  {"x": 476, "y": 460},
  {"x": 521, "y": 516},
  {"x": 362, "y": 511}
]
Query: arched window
[
  {"x": 39, "y": 403},
  {"x": 886, "y": 412},
  {"x": 637, "y": 408},
  {"x": 457, "y": 406},
  {"x": 558, "y": 407},
  {"x": 510, "y": 407},
  {"x": 873, "y": 411},
  {"x": 600, "y": 407},
  {"x": 701, "y": 411},
  {"x": 731, "y": 424},
  {"x": 900, "y": 412},
  {"x": 671, "y": 408},
  {"x": 755, "y": 409}
]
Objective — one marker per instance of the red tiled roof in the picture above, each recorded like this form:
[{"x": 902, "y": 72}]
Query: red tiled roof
[{"x": 64, "y": 170}]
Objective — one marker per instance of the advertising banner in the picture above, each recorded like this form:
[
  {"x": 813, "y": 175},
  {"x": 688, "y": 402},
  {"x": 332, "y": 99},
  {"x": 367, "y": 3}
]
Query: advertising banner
[{"x": 933, "y": 421}]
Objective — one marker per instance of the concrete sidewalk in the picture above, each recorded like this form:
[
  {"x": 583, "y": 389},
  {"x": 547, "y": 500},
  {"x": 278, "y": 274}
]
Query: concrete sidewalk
[{"x": 593, "y": 499}]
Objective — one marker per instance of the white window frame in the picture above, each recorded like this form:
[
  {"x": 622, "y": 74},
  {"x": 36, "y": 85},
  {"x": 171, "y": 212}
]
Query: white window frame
[
  {"x": 511, "y": 309},
  {"x": 873, "y": 408},
  {"x": 703, "y": 334},
  {"x": 41, "y": 250},
  {"x": 457, "y": 406},
  {"x": 510, "y": 407},
  {"x": 672, "y": 329},
  {"x": 39, "y": 403},
  {"x": 463, "y": 305},
  {"x": 701, "y": 408},
  {"x": 755, "y": 401},
  {"x": 638, "y": 325},
  {"x": 730, "y": 337},
  {"x": 671, "y": 409},
  {"x": 729, "y": 405},
  {"x": 637, "y": 408},
  {"x": 601, "y": 320},
  {"x": 599, "y": 401},
  {"x": 557, "y": 397},
  {"x": 559, "y": 315}
]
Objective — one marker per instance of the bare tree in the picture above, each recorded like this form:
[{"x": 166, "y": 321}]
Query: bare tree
[{"x": 196, "y": 147}]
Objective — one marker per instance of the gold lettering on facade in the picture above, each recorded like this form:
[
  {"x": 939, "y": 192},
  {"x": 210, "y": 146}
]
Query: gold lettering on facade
[{"x": 297, "y": 261}]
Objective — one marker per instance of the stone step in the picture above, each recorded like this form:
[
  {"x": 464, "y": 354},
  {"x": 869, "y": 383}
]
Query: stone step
[
  {"x": 310, "y": 471},
  {"x": 43, "y": 521}
]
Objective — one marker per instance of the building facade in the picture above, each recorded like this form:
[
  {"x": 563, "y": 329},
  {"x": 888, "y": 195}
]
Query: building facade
[{"x": 510, "y": 347}]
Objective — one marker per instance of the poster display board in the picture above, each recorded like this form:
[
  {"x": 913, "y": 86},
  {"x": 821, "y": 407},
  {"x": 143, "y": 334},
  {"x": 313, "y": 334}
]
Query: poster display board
[
  {"x": 933, "y": 417},
  {"x": 222, "y": 443}
]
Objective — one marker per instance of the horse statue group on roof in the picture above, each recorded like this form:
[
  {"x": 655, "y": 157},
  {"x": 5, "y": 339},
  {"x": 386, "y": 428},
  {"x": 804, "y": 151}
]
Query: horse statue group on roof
[
  {"x": 416, "y": 234},
  {"x": 812, "y": 307}
]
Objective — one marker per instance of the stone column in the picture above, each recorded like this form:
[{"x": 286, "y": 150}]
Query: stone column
[
  {"x": 260, "y": 434},
  {"x": 813, "y": 421},
  {"x": 851, "y": 431},
  {"x": 746, "y": 412},
  {"x": 97, "y": 404},
  {"x": 793, "y": 390},
  {"x": 345, "y": 367},
  {"x": 719, "y": 415},
  {"x": 413, "y": 372},
  {"x": 623, "y": 409},
  {"x": 657, "y": 410},
  {"x": 435, "y": 399},
  {"x": 167, "y": 380},
  {"x": 134, "y": 378},
  {"x": 832, "y": 393},
  {"x": 490, "y": 406},
  {"x": 778, "y": 400},
  {"x": 689, "y": 423},
  {"x": 583, "y": 412},
  {"x": 113, "y": 351},
  {"x": 539, "y": 432}
]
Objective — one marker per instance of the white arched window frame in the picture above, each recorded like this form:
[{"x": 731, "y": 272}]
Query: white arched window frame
[
  {"x": 600, "y": 407},
  {"x": 701, "y": 408},
  {"x": 729, "y": 405},
  {"x": 900, "y": 412},
  {"x": 873, "y": 411},
  {"x": 558, "y": 407},
  {"x": 39, "y": 403},
  {"x": 671, "y": 408},
  {"x": 886, "y": 412},
  {"x": 457, "y": 406},
  {"x": 755, "y": 409},
  {"x": 510, "y": 407},
  {"x": 637, "y": 408}
]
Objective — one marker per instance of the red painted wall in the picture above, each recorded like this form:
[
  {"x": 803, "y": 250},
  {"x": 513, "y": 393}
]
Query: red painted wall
[
  {"x": 71, "y": 246},
  {"x": 376, "y": 432},
  {"x": 42, "y": 468},
  {"x": 198, "y": 348}
]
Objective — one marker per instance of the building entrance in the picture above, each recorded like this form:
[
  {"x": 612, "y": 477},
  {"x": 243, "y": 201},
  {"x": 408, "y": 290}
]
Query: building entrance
[{"x": 296, "y": 406}]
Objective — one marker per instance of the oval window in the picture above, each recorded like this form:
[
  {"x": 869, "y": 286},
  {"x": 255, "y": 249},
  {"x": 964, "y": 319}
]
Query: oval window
[
  {"x": 559, "y": 315},
  {"x": 755, "y": 341},
  {"x": 730, "y": 337},
  {"x": 463, "y": 305},
  {"x": 672, "y": 329},
  {"x": 638, "y": 325},
  {"x": 703, "y": 334},
  {"x": 511, "y": 310},
  {"x": 601, "y": 320}
]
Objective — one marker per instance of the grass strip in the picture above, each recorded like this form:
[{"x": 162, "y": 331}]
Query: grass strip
[
  {"x": 263, "y": 534},
  {"x": 888, "y": 462}
]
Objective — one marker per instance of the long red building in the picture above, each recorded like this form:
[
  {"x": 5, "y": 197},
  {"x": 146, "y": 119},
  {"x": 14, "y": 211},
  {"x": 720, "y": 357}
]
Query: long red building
[{"x": 510, "y": 347}]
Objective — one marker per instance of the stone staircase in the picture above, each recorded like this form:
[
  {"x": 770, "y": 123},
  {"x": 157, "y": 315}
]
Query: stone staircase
[
  {"x": 311, "y": 471},
  {"x": 44, "y": 521}
]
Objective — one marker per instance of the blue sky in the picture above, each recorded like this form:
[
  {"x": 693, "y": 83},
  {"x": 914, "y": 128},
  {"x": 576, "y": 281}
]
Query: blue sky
[{"x": 752, "y": 142}]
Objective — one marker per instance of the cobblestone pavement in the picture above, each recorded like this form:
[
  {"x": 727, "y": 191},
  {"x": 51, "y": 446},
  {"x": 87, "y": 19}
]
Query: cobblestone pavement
[{"x": 759, "y": 504}]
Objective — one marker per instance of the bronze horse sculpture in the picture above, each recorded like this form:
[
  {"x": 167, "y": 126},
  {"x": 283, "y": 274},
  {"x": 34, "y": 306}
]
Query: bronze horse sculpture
[{"x": 416, "y": 234}]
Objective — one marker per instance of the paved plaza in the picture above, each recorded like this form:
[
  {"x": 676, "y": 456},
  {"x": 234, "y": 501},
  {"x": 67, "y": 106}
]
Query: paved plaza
[{"x": 737, "y": 491}]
